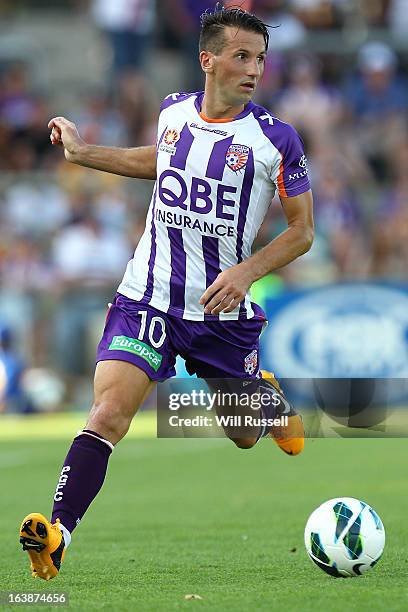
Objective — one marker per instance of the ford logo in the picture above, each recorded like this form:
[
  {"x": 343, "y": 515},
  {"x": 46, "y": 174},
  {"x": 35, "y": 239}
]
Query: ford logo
[{"x": 339, "y": 331}]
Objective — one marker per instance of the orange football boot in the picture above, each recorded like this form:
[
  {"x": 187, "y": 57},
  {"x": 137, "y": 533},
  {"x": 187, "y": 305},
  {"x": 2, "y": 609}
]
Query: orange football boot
[
  {"x": 44, "y": 543},
  {"x": 291, "y": 439}
]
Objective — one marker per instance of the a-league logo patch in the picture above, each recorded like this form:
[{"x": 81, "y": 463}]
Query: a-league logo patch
[
  {"x": 169, "y": 140},
  {"x": 251, "y": 362},
  {"x": 237, "y": 157},
  {"x": 171, "y": 136}
]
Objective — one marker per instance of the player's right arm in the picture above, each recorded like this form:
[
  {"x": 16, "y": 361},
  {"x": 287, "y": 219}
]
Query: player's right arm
[{"x": 139, "y": 162}]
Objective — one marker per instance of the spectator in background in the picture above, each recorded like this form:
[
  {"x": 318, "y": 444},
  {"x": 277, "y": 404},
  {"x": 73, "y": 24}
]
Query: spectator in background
[
  {"x": 129, "y": 25},
  {"x": 101, "y": 121},
  {"x": 398, "y": 18},
  {"x": 339, "y": 222},
  {"x": 26, "y": 281},
  {"x": 23, "y": 266},
  {"x": 330, "y": 14},
  {"x": 113, "y": 209},
  {"x": 390, "y": 232},
  {"x": 314, "y": 13},
  {"x": 378, "y": 100},
  {"x": 129, "y": 117},
  {"x": 17, "y": 103},
  {"x": 289, "y": 30},
  {"x": 12, "y": 368},
  {"x": 314, "y": 109},
  {"x": 87, "y": 254},
  {"x": 139, "y": 106},
  {"x": 34, "y": 208},
  {"x": 182, "y": 18},
  {"x": 23, "y": 114},
  {"x": 88, "y": 259}
]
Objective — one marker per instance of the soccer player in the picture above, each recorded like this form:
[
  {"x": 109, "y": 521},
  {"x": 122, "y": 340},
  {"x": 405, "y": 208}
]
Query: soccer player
[{"x": 218, "y": 161}]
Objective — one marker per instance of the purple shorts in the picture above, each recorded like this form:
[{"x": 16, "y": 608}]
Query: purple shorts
[{"x": 151, "y": 340}]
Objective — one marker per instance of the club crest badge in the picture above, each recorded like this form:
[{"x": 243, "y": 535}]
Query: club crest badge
[
  {"x": 169, "y": 140},
  {"x": 237, "y": 157},
  {"x": 251, "y": 362}
]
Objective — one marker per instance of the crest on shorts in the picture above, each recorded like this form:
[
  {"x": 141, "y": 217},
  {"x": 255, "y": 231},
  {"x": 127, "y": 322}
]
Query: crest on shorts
[
  {"x": 169, "y": 140},
  {"x": 251, "y": 362},
  {"x": 236, "y": 157}
]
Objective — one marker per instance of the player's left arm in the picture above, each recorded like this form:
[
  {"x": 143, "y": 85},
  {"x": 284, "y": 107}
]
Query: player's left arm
[{"x": 231, "y": 286}]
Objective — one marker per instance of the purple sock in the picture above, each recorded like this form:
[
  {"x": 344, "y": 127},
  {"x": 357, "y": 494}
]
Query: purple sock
[{"x": 81, "y": 477}]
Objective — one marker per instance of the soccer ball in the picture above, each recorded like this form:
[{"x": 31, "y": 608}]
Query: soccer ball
[{"x": 345, "y": 537}]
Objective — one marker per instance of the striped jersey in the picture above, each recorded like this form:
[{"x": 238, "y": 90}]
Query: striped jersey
[{"x": 215, "y": 182}]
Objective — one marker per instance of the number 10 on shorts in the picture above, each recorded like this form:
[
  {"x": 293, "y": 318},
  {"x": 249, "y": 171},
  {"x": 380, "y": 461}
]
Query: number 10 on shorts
[
  {"x": 141, "y": 346},
  {"x": 155, "y": 321}
]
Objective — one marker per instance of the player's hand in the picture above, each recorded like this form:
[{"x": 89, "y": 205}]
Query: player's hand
[
  {"x": 228, "y": 290},
  {"x": 64, "y": 133}
]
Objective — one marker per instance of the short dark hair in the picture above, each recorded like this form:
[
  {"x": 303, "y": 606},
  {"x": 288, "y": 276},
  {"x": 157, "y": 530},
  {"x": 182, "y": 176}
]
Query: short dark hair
[{"x": 214, "y": 22}]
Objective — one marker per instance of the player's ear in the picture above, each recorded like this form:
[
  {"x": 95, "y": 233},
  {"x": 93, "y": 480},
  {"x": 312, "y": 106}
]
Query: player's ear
[{"x": 207, "y": 61}]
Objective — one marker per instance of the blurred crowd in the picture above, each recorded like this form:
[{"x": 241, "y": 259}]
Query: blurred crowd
[{"x": 66, "y": 233}]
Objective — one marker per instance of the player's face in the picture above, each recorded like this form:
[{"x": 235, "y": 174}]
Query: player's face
[{"x": 239, "y": 66}]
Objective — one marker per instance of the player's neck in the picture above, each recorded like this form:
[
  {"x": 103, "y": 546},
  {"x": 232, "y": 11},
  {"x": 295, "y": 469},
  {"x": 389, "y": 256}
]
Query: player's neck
[{"x": 214, "y": 110}]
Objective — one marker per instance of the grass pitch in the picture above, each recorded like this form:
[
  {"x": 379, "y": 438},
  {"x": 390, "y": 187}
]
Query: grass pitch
[{"x": 179, "y": 517}]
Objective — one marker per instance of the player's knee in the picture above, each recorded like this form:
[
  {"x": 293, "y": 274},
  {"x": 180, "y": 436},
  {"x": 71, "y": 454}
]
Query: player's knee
[
  {"x": 244, "y": 443},
  {"x": 109, "y": 421}
]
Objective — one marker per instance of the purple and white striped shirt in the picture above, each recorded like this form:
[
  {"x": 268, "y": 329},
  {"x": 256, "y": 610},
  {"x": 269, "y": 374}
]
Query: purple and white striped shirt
[{"x": 215, "y": 182}]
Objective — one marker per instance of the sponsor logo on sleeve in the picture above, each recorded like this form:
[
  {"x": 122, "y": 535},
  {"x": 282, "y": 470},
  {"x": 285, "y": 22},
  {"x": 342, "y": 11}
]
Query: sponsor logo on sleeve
[
  {"x": 303, "y": 161},
  {"x": 137, "y": 347},
  {"x": 300, "y": 174}
]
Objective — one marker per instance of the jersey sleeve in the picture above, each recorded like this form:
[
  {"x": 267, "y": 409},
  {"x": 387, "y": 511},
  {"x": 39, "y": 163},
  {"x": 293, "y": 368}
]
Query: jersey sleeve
[
  {"x": 170, "y": 100},
  {"x": 291, "y": 174},
  {"x": 174, "y": 98}
]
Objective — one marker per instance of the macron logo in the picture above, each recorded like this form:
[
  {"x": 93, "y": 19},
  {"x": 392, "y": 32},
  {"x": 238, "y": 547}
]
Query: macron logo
[
  {"x": 267, "y": 118},
  {"x": 174, "y": 96}
]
